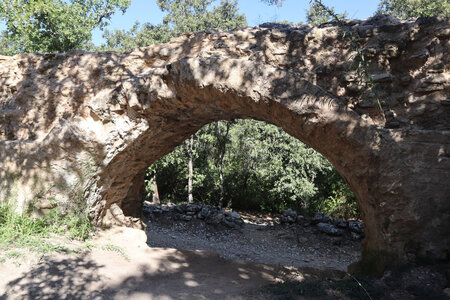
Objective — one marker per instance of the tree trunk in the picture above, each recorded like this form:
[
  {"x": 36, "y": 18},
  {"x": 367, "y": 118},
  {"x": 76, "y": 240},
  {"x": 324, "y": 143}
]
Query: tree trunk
[
  {"x": 191, "y": 169},
  {"x": 155, "y": 198},
  {"x": 222, "y": 197},
  {"x": 222, "y": 145}
]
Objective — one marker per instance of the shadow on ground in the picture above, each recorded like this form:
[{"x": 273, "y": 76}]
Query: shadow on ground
[
  {"x": 123, "y": 266},
  {"x": 166, "y": 274},
  {"x": 66, "y": 278}
]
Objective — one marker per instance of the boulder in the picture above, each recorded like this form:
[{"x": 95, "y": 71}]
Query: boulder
[
  {"x": 340, "y": 223},
  {"x": 329, "y": 229},
  {"x": 216, "y": 218},
  {"x": 206, "y": 211},
  {"x": 180, "y": 209},
  {"x": 320, "y": 218},
  {"x": 287, "y": 219},
  {"x": 193, "y": 208},
  {"x": 356, "y": 226},
  {"x": 290, "y": 213}
]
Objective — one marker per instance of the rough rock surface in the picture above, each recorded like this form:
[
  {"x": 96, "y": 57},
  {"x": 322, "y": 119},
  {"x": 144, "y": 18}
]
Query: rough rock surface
[
  {"x": 188, "y": 212},
  {"x": 330, "y": 229},
  {"x": 339, "y": 227},
  {"x": 86, "y": 125}
]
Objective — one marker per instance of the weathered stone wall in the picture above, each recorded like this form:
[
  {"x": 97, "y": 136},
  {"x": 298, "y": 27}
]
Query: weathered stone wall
[{"x": 88, "y": 124}]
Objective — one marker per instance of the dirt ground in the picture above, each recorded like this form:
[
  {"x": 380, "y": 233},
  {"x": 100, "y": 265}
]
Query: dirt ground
[
  {"x": 123, "y": 266},
  {"x": 260, "y": 240},
  {"x": 210, "y": 263}
]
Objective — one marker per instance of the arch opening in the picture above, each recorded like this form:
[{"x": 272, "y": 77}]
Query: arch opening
[
  {"x": 306, "y": 113},
  {"x": 249, "y": 165},
  {"x": 163, "y": 107},
  {"x": 252, "y": 182}
]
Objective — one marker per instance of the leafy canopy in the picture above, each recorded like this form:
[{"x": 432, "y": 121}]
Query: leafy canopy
[
  {"x": 274, "y": 2},
  {"x": 414, "y": 8},
  {"x": 264, "y": 169},
  {"x": 138, "y": 36},
  {"x": 318, "y": 13},
  {"x": 54, "y": 25},
  {"x": 194, "y": 15},
  {"x": 182, "y": 16}
]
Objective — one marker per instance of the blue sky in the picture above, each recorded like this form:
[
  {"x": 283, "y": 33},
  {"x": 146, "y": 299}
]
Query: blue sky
[{"x": 256, "y": 11}]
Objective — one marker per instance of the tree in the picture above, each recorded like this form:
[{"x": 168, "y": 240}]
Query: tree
[
  {"x": 258, "y": 167},
  {"x": 194, "y": 15},
  {"x": 414, "y": 8},
  {"x": 190, "y": 150},
  {"x": 152, "y": 186},
  {"x": 274, "y": 2},
  {"x": 318, "y": 13},
  {"x": 138, "y": 36},
  {"x": 6, "y": 44},
  {"x": 182, "y": 16},
  {"x": 221, "y": 135},
  {"x": 171, "y": 174},
  {"x": 286, "y": 22},
  {"x": 269, "y": 169},
  {"x": 54, "y": 25}
]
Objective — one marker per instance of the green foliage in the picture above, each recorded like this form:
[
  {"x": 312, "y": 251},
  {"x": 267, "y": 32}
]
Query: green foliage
[
  {"x": 274, "y": 2},
  {"x": 182, "y": 16},
  {"x": 138, "y": 36},
  {"x": 194, "y": 15},
  {"x": 286, "y": 22},
  {"x": 414, "y": 8},
  {"x": 334, "y": 196},
  {"x": 171, "y": 174},
  {"x": 76, "y": 223},
  {"x": 14, "y": 254},
  {"x": 264, "y": 169},
  {"x": 25, "y": 231},
  {"x": 276, "y": 170},
  {"x": 6, "y": 44},
  {"x": 54, "y": 25},
  {"x": 318, "y": 13},
  {"x": 15, "y": 226}
]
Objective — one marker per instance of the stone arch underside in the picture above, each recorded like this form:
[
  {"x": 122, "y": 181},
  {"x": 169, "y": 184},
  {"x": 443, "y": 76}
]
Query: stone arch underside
[{"x": 86, "y": 125}]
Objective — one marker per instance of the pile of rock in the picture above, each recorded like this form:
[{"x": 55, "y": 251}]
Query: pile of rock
[
  {"x": 289, "y": 216},
  {"x": 323, "y": 223},
  {"x": 187, "y": 212}
]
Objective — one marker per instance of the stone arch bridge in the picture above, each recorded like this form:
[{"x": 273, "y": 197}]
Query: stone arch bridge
[{"x": 83, "y": 127}]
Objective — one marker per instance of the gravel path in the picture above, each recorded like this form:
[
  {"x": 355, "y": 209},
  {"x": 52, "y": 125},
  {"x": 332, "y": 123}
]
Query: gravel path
[{"x": 268, "y": 243}]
